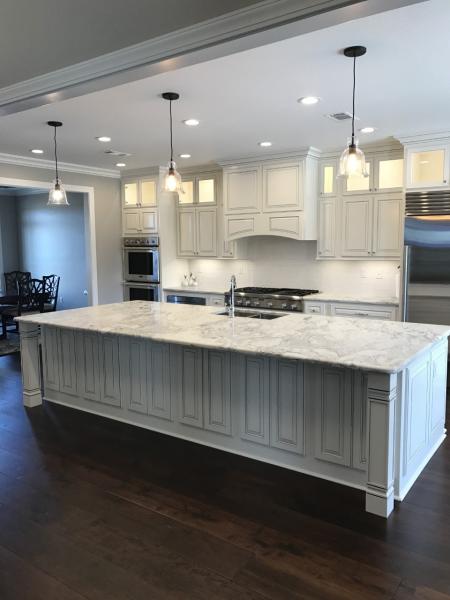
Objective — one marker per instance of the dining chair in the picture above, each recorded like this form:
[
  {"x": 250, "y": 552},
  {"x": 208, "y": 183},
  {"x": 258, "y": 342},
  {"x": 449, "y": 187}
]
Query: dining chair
[
  {"x": 30, "y": 301},
  {"x": 51, "y": 289},
  {"x": 15, "y": 278}
]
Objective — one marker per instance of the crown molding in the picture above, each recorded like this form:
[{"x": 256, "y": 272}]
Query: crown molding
[
  {"x": 144, "y": 59},
  {"x": 298, "y": 153},
  {"x": 40, "y": 163},
  {"x": 435, "y": 136}
]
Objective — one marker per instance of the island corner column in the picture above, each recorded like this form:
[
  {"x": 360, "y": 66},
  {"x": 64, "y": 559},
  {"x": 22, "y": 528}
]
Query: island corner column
[
  {"x": 381, "y": 400},
  {"x": 30, "y": 363}
]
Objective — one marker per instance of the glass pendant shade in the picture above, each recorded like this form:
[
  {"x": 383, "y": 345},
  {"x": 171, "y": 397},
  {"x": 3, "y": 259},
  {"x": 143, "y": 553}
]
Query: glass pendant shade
[
  {"x": 171, "y": 180},
  {"x": 57, "y": 195},
  {"x": 352, "y": 162}
]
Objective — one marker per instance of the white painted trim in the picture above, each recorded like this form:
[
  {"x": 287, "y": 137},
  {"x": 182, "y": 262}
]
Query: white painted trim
[
  {"x": 411, "y": 481},
  {"x": 40, "y": 163},
  {"x": 424, "y": 137},
  {"x": 357, "y": 486},
  {"x": 265, "y": 22},
  {"x": 298, "y": 154},
  {"x": 91, "y": 246}
]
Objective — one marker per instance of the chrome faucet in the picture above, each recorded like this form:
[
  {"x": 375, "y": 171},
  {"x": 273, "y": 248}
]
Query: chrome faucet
[{"x": 232, "y": 288}]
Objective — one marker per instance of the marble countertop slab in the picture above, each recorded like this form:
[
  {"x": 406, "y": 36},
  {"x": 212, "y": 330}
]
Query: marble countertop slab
[
  {"x": 373, "y": 345},
  {"x": 339, "y": 297}
]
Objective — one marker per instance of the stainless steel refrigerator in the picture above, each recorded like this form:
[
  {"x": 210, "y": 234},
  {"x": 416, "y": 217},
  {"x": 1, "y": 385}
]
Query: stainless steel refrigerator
[{"x": 426, "y": 259}]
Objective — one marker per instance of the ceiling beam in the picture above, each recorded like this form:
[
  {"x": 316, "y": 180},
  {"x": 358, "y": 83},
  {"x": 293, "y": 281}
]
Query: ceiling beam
[{"x": 263, "y": 23}]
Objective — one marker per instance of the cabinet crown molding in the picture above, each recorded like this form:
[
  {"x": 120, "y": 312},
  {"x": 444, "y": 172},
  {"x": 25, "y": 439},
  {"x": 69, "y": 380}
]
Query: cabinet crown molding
[
  {"x": 419, "y": 138},
  {"x": 258, "y": 158}
]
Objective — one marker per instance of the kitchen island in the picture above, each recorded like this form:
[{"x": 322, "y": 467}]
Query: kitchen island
[{"x": 358, "y": 402}]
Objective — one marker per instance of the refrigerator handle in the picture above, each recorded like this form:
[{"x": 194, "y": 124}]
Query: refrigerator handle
[{"x": 405, "y": 282}]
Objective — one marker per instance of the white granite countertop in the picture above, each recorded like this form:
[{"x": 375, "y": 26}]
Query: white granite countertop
[
  {"x": 196, "y": 289},
  {"x": 367, "y": 344},
  {"x": 338, "y": 297}
]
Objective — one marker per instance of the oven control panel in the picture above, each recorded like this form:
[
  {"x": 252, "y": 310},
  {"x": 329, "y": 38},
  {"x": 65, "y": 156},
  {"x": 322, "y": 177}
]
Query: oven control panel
[{"x": 149, "y": 241}]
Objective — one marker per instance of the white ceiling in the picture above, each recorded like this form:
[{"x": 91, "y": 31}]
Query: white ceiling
[
  {"x": 43, "y": 35},
  {"x": 403, "y": 87}
]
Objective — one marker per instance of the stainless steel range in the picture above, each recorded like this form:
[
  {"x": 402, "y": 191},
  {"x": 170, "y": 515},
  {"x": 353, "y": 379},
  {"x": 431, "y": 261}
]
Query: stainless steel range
[{"x": 275, "y": 299}]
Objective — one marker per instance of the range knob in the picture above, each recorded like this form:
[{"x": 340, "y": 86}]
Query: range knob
[
  {"x": 248, "y": 303},
  {"x": 238, "y": 301},
  {"x": 284, "y": 306},
  {"x": 269, "y": 304},
  {"x": 294, "y": 307}
]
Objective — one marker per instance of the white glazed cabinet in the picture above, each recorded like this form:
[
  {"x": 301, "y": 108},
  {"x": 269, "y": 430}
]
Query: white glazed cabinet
[{"x": 139, "y": 205}]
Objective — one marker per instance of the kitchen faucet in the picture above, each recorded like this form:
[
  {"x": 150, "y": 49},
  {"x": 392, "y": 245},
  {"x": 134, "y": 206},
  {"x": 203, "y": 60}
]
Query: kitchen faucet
[{"x": 232, "y": 288}]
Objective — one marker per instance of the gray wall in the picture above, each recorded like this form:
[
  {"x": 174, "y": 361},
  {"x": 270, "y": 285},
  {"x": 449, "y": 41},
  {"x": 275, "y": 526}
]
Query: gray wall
[
  {"x": 107, "y": 221},
  {"x": 52, "y": 241},
  {"x": 9, "y": 250}
]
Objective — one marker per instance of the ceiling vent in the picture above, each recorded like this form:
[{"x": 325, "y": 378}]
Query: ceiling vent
[
  {"x": 117, "y": 153},
  {"x": 341, "y": 116}
]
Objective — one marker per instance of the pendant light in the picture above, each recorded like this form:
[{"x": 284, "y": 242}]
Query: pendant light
[
  {"x": 171, "y": 181},
  {"x": 353, "y": 161},
  {"x": 57, "y": 195}
]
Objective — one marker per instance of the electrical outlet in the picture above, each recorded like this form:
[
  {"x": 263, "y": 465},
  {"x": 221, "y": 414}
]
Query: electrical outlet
[
  {"x": 60, "y": 299},
  {"x": 380, "y": 276},
  {"x": 363, "y": 274}
]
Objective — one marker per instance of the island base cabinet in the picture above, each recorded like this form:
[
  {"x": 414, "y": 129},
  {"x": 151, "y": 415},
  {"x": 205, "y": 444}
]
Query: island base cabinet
[
  {"x": 145, "y": 377},
  {"x": 371, "y": 430}
]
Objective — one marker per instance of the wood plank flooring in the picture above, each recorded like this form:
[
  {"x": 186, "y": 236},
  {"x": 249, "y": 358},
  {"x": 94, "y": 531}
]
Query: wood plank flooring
[{"x": 94, "y": 509}]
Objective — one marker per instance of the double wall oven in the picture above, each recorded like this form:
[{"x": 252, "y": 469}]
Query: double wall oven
[{"x": 141, "y": 272}]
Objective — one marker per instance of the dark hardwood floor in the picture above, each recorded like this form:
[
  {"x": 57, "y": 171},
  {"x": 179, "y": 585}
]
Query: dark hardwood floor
[{"x": 94, "y": 509}]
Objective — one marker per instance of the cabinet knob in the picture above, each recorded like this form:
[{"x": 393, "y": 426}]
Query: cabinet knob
[{"x": 444, "y": 181}]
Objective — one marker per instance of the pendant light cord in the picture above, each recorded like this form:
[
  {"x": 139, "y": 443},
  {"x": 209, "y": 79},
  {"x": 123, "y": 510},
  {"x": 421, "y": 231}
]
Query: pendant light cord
[
  {"x": 56, "y": 157},
  {"x": 354, "y": 91},
  {"x": 171, "y": 135}
]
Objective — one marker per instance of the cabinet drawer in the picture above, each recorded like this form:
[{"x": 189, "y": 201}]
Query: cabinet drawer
[
  {"x": 363, "y": 311},
  {"x": 314, "y": 309}
]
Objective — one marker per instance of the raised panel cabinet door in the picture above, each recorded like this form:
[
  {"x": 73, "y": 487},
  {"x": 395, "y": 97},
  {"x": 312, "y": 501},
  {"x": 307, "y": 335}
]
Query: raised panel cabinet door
[
  {"x": 242, "y": 190},
  {"x": 254, "y": 392},
  {"x": 333, "y": 415},
  {"x": 149, "y": 221},
  {"x": 50, "y": 353},
  {"x": 134, "y": 360},
  {"x": 438, "y": 392},
  {"x": 282, "y": 187},
  {"x": 238, "y": 227},
  {"x": 67, "y": 362},
  {"x": 186, "y": 232},
  {"x": 131, "y": 221},
  {"x": 388, "y": 226},
  {"x": 287, "y": 415},
  {"x": 416, "y": 412},
  {"x": 206, "y": 228},
  {"x": 88, "y": 373},
  {"x": 326, "y": 244},
  {"x": 109, "y": 370},
  {"x": 187, "y": 368},
  {"x": 217, "y": 391},
  {"x": 359, "y": 450},
  {"x": 284, "y": 224},
  {"x": 158, "y": 381},
  {"x": 357, "y": 226}
]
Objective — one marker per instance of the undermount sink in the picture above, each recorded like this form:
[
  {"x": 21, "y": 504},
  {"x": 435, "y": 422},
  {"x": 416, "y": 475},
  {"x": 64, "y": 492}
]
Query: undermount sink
[{"x": 251, "y": 315}]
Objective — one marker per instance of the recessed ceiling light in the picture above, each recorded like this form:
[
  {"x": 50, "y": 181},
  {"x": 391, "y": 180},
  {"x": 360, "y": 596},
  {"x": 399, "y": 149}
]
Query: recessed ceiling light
[
  {"x": 367, "y": 130},
  {"x": 121, "y": 165},
  {"x": 103, "y": 138},
  {"x": 191, "y": 122},
  {"x": 37, "y": 151},
  {"x": 264, "y": 144},
  {"x": 309, "y": 100},
  {"x": 185, "y": 156}
]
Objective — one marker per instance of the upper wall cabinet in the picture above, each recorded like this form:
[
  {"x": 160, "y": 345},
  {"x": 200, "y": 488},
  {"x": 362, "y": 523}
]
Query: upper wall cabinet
[
  {"x": 328, "y": 177},
  {"x": 139, "y": 206},
  {"x": 139, "y": 192},
  {"x": 385, "y": 174},
  {"x": 199, "y": 189},
  {"x": 242, "y": 189},
  {"x": 282, "y": 189},
  {"x": 271, "y": 197},
  {"x": 427, "y": 167}
]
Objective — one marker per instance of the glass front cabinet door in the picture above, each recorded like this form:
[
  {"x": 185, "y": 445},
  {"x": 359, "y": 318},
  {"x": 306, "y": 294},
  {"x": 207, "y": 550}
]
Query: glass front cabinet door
[{"x": 427, "y": 167}]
